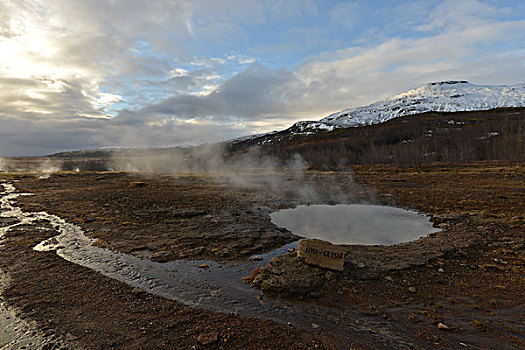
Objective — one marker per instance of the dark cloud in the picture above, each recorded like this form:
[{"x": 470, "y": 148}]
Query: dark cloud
[
  {"x": 27, "y": 137},
  {"x": 256, "y": 91},
  {"x": 39, "y": 98}
]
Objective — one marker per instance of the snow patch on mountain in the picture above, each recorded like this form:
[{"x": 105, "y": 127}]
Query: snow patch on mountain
[
  {"x": 446, "y": 96},
  {"x": 250, "y": 137}
]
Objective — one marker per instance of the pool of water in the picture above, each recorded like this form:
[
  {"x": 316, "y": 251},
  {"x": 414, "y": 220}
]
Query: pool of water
[{"x": 355, "y": 223}]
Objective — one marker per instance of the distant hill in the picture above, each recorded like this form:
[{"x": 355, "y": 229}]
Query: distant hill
[
  {"x": 117, "y": 152},
  {"x": 497, "y": 134}
]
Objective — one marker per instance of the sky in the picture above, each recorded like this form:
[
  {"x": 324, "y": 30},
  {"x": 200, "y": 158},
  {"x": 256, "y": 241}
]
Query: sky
[{"x": 84, "y": 74}]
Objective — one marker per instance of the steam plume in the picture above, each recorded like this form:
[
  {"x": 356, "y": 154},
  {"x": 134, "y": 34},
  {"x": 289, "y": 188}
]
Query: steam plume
[{"x": 250, "y": 169}]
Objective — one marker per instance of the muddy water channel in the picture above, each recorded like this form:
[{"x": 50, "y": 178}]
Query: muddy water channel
[
  {"x": 16, "y": 333},
  {"x": 202, "y": 284},
  {"x": 355, "y": 223}
]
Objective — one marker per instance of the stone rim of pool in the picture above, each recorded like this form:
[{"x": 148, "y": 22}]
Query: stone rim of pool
[{"x": 355, "y": 224}]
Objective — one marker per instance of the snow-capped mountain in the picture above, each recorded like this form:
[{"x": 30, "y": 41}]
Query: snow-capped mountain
[{"x": 447, "y": 96}]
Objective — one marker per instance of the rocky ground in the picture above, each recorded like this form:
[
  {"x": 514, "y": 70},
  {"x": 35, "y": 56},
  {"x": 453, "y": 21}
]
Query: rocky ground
[{"x": 461, "y": 288}]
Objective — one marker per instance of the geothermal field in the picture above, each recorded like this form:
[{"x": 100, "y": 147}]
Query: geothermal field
[
  {"x": 432, "y": 256},
  {"x": 262, "y": 174}
]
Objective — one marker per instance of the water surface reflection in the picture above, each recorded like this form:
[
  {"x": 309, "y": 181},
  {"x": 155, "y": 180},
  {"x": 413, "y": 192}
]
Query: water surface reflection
[{"x": 354, "y": 223}]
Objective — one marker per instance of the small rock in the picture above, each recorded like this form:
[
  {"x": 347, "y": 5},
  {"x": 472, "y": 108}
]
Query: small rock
[
  {"x": 315, "y": 325},
  {"x": 162, "y": 256},
  {"x": 386, "y": 317},
  {"x": 137, "y": 291},
  {"x": 291, "y": 250},
  {"x": 257, "y": 258},
  {"x": 208, "y": 339},
  {"x": 442, "y": 326},
  {"x": 330, "y": 276},
  {"x": 440, "y": 270},
  {"x": 288, "y": 275},
  {"x": 491, "y": 268},
  {"x": 214, "y": 293},
  {"x": 204, "y": 266},
  {"x": 389, "y": 279},
  {"x": 412, "y": 289},
  {"x": 360, "y": 265}
]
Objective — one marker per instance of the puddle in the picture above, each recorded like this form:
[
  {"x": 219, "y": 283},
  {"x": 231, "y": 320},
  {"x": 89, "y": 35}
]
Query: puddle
[
  {"x": 354, "y": 223},
  {"x": 217, "y": 287}
]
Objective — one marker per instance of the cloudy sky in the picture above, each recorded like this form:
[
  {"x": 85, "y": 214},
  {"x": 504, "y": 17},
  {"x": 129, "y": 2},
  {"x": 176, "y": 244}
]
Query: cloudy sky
[{"x": 78, "y": 74}]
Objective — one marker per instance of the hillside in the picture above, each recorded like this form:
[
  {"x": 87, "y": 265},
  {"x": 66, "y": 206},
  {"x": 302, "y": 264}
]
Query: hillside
[
  {"x": 446, "y": 96},
  {"x": 423, "y": 138}
]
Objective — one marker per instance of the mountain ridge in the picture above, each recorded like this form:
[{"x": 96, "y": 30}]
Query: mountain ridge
[{"x": 443, "y": 96}]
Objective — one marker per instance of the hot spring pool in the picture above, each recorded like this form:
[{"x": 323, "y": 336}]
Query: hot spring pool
[{"x": 354, "y": 223}]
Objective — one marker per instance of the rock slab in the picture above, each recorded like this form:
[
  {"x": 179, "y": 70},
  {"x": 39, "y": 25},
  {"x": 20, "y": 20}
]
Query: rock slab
[{"x": 322, "y": 254}]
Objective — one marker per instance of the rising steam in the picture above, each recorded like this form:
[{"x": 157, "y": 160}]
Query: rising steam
[
  {"x": 48, "y": 167},
  {"x": 248, "y": 169},
  {"x": 43, "y": 166},
  {"x": 251, "y": 169}
]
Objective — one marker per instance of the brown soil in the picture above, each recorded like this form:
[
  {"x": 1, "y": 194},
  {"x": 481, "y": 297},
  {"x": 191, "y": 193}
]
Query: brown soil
[{"x": 479, "y": 295}]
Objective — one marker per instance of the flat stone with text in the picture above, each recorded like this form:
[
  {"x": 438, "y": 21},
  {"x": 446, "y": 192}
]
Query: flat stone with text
[{"x": 322, "y": 254}]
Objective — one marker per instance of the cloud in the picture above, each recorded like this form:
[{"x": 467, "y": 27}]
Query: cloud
[
  {"x": 60, "y": 69},
  {"x": 252, "y": 11},
  {"x": 248, "y": 95},
  {"x": 52, "y": 98},
  {"x": 356, "y": 76},
  {"x": 164, "y": 78},
  {"x": 451, "y": 15},
  {"x": 29, "y": 137}
]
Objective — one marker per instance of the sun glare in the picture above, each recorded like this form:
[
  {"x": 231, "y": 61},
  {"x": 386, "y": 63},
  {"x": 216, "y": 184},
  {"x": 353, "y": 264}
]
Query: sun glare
[{"x": 35, "y": 59}]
